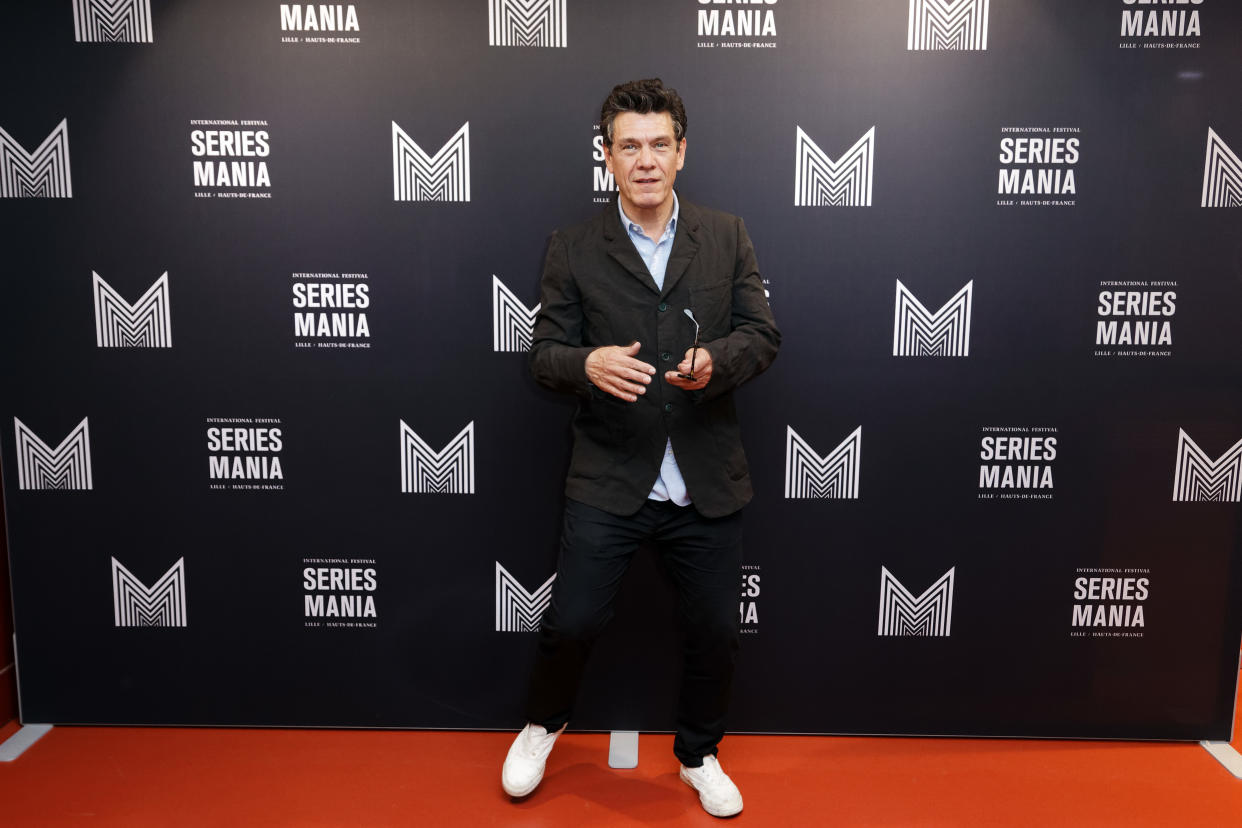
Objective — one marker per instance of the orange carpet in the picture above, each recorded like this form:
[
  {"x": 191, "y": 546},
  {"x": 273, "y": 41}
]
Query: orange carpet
[{"x": 190, "y": 777}]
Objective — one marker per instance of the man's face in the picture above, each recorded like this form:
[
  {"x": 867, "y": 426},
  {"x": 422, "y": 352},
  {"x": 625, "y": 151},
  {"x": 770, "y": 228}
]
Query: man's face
[{"x": 644, "y": 159}]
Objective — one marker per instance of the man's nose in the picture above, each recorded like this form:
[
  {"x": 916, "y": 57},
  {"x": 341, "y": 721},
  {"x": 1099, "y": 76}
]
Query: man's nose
[{"x": 646, "y": 158}]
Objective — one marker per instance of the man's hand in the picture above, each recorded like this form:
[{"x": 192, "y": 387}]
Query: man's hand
[
  {"x": 615, "y": 370},
  {"x": 702, "y": 370}
]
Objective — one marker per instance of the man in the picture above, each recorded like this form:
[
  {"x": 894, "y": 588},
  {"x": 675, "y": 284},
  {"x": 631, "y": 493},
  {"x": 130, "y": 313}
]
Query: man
[{"x": 657, "y": 451}]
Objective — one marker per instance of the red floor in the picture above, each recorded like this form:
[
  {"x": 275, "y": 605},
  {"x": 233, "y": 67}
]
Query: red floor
[{"x": 189, "y": 777}]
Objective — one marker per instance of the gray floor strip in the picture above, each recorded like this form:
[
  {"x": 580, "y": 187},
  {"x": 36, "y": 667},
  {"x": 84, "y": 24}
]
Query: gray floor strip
[
  {"x": 623, "y": 749},
  {"x": 16, "y": 744},
  {"x": 1226, "y": 755}
]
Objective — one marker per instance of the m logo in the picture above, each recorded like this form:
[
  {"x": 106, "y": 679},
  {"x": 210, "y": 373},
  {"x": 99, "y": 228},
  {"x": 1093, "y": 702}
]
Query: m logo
[
  {"x": 43, "y": 173},
  {"x": 516, "y": 609},
  {"x": 1222, "y": 174},
  {"x": 834, "y": 476},
  {"x": 948, "y": 24},
  {"x": 68, "y": 466},
  {"x": 513, "y": 323},
  {"x": 134, "y": 604},
  {"x": 1198, "y": 477},
  {"x": 112, "y": 21},
  {"x": 444, "y": 177},
  {"x": 919, "y": 332},
  {"x": 424, "y": 471},
  {"x": 144, "y": 324},
  {"x": 819, "y": 181},
  {"x": 526, "y": 23},
  {"x": 903, "y": 614}
]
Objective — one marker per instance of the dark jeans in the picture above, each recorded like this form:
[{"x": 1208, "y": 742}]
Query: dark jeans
[{"x": 705, "y": 558}]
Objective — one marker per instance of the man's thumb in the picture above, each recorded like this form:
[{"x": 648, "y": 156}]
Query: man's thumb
[{"x": 633, "y": 348}]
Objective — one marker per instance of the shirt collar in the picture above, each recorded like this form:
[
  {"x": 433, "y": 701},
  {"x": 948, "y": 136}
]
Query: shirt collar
[{"x": 636, "y": 229}]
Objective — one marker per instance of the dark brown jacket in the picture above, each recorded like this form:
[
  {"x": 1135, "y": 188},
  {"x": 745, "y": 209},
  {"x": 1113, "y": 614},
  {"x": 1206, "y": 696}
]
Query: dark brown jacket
[{"x": 596, "y": 291}]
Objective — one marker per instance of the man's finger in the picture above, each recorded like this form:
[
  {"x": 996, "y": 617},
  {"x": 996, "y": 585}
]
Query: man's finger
[
  {"x": 675, "y": 379},
  {"x": 699, "y": 369},
  {"x": 641, "y": 377},
  {"x": 637, "y": 365},
  {"x": 627, "y": 390}
]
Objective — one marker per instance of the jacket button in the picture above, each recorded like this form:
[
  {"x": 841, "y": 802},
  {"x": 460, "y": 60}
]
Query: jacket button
[
  {"x": 668, "y": 406},
  {"x": 663, "y": 306},
  {"x": 666, "y": 356}
]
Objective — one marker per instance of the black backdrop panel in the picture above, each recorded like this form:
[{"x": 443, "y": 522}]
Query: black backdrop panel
[{"x": 272, "y": 456}]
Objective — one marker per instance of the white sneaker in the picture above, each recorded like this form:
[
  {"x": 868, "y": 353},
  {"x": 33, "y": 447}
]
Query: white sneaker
[
  {"x": 720, "y": 797},
  {"x": 527, "y": 757}
]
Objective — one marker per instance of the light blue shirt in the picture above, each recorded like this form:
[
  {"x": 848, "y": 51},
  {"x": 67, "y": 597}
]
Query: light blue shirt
[{"x": 670, "y": 485}]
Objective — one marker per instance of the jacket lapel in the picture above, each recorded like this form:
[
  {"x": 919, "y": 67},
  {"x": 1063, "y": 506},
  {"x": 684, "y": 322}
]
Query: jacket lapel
[
  {"x": 685, "y": 246},
  {"x": 617, "y": 243}
]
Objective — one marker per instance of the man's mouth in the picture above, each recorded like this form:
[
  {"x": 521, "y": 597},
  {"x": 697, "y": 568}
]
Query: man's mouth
[{"x": 646, "y": 181}]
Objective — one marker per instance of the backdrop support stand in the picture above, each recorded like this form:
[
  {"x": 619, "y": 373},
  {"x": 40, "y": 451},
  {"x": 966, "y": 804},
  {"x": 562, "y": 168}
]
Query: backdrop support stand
[
  {"x": 1226, "y": 755},
  {"x": 623, "y": 749},
  {"x": 16, "y": 745}
]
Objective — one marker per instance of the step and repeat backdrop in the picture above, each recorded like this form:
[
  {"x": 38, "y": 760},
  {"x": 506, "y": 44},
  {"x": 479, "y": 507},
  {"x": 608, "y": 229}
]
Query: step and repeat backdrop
[{"x": 271, "y": 453}]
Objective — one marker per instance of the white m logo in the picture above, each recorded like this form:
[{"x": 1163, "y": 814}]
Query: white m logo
[
  {"x": 1198, "y": 477},
  {"x": 134, "y": 604},
  {"x": 948, "y": 24},
  {"x": 903, "y": 614},
  {"x": 68, "y": 466},
  {"x": 834, "y": 476},
  {"x": 425, "y": 471},
  {"x": 144, "y": 324},
  {"x": 819, "y": 181},
  {"x": 112, "y": 21},
  {"x": 516, "y": 609},
  {"x": 43, "y": 173},
  {"x": 442, "y": 177},
  {"x": 526, "y": 23},
  {"x": 919, "y": 332},
  {"x": 513, "y": 324},
  {"x": 1222, "y": 174}
]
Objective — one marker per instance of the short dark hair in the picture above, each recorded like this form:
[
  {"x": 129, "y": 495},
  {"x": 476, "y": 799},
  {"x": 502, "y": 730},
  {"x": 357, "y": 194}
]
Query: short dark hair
[{"x": 642, "y": 97}]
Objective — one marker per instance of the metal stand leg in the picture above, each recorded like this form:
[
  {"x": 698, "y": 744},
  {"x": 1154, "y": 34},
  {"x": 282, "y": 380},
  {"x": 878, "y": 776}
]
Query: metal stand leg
[
  {"x": 16, "y": 744},
  {"x": 1226, "y": 755},
  {"x": 623, "y": 749}
]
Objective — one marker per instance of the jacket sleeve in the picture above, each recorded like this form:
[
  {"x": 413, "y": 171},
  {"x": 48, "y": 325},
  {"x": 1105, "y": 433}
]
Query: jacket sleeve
[
  {"x": 754, "y": 339},
  {"x": 557, "y": 355}
]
